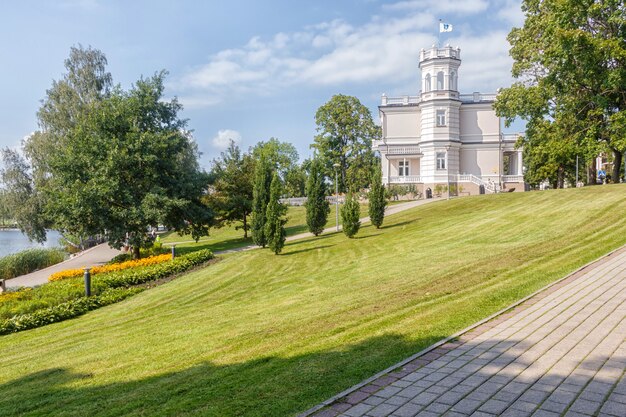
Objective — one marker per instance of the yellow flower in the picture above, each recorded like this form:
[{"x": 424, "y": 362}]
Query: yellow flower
[{"x": 70, "y": 273}]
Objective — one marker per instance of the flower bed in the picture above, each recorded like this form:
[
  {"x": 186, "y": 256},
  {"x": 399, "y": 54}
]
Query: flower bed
[
  {"x": 64, "y": 299},
  {"x": 71, "y": 273}
]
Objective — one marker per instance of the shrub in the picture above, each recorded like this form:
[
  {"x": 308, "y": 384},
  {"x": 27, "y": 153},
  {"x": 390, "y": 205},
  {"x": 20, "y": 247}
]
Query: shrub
[
  {"x": 27, "y": 261},
  {"x": 60, "y": 300},
  {"x": 350, "y": 213},
  {"x": 377, "y": 200},
  {"x": 71, "y": 273},
  {"x": 317, "y": 207}
]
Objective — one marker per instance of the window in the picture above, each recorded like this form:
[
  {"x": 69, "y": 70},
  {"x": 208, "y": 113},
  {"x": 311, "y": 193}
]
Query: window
[
  {"x": 453, "y": 80},
  {"x": 441, "y": 160},
  {"x": 441, "y": 117},
  {"x": 427, "y": 83},
  {"x": 403, "y": 168},
  {"x": 440, "y": 80}
]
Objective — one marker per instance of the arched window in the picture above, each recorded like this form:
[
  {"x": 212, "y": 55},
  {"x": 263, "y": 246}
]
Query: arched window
[
  {"x": 440, "y": 80},
  {"x": 453, "y": 80},
  {"x": 427, "y": 83}
]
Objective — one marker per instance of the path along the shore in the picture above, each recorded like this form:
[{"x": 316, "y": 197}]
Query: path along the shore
[{"x": 101, "y": 254}]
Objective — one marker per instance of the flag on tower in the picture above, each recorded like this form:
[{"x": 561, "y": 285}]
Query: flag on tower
[{"x": 444, "y": 27}]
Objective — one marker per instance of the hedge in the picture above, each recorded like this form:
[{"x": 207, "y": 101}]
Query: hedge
[{"x": 112, "y": 287}]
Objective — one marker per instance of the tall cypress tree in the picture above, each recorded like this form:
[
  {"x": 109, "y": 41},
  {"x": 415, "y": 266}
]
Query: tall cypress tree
[
  {"x": 317, "y": 208},
  {"x": 275, "y": 222},
  {"x": 260, "y": 198},
  {"x": 377, "y": 200},
  {"x": 350, "y": 213}
]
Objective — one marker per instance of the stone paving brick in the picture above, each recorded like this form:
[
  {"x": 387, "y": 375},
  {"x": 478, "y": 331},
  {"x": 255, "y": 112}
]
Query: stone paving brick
[
  {"x": 427, "y": 414},
  {"x": 450, "y": 398},
  {"x": 511, "y": 412},
  {"x": 358, "y": 410},
  {"x": 374, "y": 400},
  {"x": 585, "y": 406},
  {"x": 438, "y": 408},
  {"x": 407, "y": 410},
  {"x": 382, "y": 410},
  {"x": 494, "y": 406},
  {"x": 544, "y": 413},
  {"x": 614, "y": 409},
  {"x": 424, "y": 398},
  {"x": 388, "y": 391},
  {"x": 553, "y": 406},
  {"x": 410, "y": 391},
  {"x": 397, "y": 401},
  {"x": 524, "y": 406},
  {"x": 466, "y": 406}
]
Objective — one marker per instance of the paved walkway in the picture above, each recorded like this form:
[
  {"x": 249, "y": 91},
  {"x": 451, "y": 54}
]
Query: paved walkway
[
  {"x": 560, "y": 353},
  {"x": 97, "y": 255}
]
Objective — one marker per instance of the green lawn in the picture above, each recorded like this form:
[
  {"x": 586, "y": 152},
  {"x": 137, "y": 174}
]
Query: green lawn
[
  {"x": 263, "y": 335},
  {"x": 229, "y": 237}
]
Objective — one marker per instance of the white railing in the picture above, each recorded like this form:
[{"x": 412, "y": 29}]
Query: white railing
[
  {"x": 434, "y": 52},
  {"x": 510, "y": 137},
  {"x": 476, "y": 97},
  {"x": 406, "y": 179},
  {"x": 403, "y": 150},
  {"x": 512, "y": 178},
  {"x": 402, "y": 100},
  {"x": 489, "y": 185}
]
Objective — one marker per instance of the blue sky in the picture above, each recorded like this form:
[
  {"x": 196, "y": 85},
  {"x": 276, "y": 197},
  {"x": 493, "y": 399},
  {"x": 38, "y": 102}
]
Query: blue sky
[{"x": 249, "y": 70}]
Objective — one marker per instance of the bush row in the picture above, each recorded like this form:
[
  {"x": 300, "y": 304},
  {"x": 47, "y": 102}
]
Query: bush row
[
  {"x": 64, "y": 311},
  {"x": 27, "y": 261},
  {"x": 61, "y": 300}
]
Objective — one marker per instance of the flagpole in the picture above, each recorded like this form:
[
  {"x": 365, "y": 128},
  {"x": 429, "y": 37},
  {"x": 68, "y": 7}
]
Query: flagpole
[{"x": 439, "y": 34}]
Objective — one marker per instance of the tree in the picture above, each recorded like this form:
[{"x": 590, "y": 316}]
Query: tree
[
  {"x": 345, "y": 133},
  {"x": 377, "y": 200},
  {"x": 568, "y": 59},
  {"x": 281, "y": 156},
  {"x": 260, "y": 198},
  {"x": 350, "y": 213},
  {"x": 317, "y": 207},
  {"x": 275, "y": 222},
  {"x": 111, "y": 164},
  {"x": 295, "y": 181},
  {"x": 231, "y": 187}
]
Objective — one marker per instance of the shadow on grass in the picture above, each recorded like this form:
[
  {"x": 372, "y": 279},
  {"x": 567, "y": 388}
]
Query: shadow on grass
[
  {"x": 268, "y": 386},
  {"x": 307, "y": 250},
  {"x": 399, "y": 224},
  {"x": 278, "y": 386}
]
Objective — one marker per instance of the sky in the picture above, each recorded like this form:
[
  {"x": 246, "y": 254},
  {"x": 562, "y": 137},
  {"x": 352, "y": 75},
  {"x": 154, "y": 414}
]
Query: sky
[{"x": 249, "y": 70}]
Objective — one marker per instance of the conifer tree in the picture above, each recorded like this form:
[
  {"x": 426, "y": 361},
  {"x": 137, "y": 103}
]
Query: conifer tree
[
  {"x": 350, "y": 213},
  {"x": 275, "y": 222},
  {"x": 260, "y": 198},
  {"x": 317, "y": 208},
  {"x": 377, "y": 200}
]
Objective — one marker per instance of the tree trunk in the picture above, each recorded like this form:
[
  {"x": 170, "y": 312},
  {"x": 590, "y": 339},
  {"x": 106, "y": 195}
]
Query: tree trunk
[
  {"x": 245, "y": 225},
  {"x": 591, "y": 172},
  {"x": 560, "y": 181},
  {"x": 617, "y": 165},
  {"x": 136, "y": 252}
]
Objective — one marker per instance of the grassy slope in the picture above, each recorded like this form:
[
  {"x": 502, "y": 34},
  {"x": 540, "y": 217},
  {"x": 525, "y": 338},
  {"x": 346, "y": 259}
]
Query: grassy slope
[
  {"x": 229, "y": 237},
  {"x": 264, "y": 335}
]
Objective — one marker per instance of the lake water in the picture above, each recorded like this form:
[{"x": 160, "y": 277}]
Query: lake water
[{"x": 12, "y": 241}]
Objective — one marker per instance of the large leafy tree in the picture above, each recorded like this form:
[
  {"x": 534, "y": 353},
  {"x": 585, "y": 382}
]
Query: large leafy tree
[
  {"x": 281, "y": 156},
  {"x": 108, "y": 162},
  {"x": 570, "y": 66},
  {"x": 230, "y": 195},
  {"x": 345, "y": 133}
]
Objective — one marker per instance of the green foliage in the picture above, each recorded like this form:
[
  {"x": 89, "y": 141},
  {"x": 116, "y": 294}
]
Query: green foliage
[
  {"x": 57, "y": 301},
  {"x": 317, "y": 207},
  {"x": 568, "y": 59},
  {"x": 275, "y": 220},
  {"x": 295, "y": 181},
  {"x": 30, "y": 260},
  {"x": 350, "y": 214},
  {"x": 281, "y": 156},
  {"x": 108, "y": 161},
  {"x": 231, "y": 188},
  {"x": 377, "y": 200},
  {"x": 345, "y": 133},
  {"x": 262, "y": 182}
]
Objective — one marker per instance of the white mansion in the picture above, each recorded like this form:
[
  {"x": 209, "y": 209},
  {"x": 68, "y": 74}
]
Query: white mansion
[{"x": 443, "y": 137}]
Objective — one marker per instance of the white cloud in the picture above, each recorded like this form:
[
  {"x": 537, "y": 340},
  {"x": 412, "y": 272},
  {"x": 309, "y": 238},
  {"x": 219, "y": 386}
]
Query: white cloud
[
  {"x": 511, "y": 11},
  {"x": 223, "y": 138},
  {"x": 383, "y": 52}
]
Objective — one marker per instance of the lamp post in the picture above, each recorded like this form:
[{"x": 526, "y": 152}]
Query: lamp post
[
  {"x": 87, "y": 276},
  {"x": 448, "y": 172},
  {"x": 336, "y": 166}
]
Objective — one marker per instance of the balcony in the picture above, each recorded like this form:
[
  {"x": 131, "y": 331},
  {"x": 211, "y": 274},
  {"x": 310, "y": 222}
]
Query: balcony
[
  {"x": 407, "y": 179},
  {"x": 399, "y": 101},
  {"x": 477, "y": 98},
  {"x": 434, "y": 52}
]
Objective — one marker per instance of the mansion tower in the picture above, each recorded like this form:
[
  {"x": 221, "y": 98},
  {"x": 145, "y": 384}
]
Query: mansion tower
[{"x": 441, "y": 137}]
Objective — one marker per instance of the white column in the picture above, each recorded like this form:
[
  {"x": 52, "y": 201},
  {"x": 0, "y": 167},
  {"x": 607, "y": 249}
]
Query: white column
[{"x": 520, "y": 169}]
